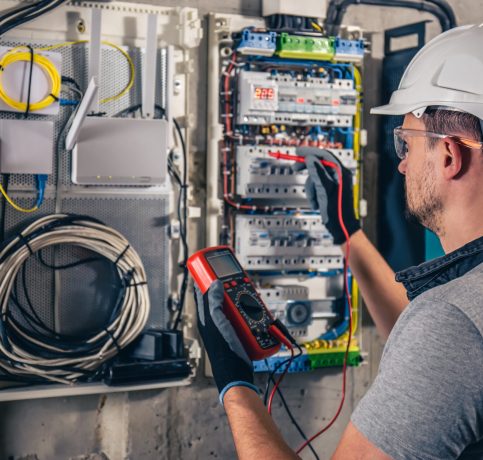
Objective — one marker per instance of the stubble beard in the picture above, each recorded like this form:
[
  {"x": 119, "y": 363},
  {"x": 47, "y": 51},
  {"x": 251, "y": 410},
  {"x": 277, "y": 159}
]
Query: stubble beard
[{"x": 423, "y": 202}]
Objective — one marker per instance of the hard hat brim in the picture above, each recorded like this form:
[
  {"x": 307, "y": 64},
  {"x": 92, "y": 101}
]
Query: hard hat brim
[{"x": 394, "y": 109}]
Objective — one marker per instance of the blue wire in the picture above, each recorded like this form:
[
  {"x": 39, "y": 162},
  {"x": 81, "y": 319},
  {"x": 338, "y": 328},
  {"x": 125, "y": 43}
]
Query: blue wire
[
  {"x": 67, "y": 102},
  {"x": 41, "y": 180},
  {"x": 343, "y": 326}
]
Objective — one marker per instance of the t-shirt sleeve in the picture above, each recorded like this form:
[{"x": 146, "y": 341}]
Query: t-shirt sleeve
[{"x": 427, "y": 401}]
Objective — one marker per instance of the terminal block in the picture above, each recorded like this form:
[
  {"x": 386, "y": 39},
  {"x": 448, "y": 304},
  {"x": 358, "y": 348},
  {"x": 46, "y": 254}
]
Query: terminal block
[
  {"x": 265, "y": 98},
  {"x": 310, "y": 360},
  {"x": 257, "y": 43},
  {"x": 285, "y": 243},
  {"x": 305, "y": 47},
  {"x": 334, "y": 357},
  {"x": 260, "y": 176},
  {"x": 348, "y": 50},
  {"x": 301, "y": 364}
]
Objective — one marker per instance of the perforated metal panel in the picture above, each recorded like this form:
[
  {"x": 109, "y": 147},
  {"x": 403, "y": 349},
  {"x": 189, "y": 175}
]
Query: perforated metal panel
[{"x": 80, "y": 299}]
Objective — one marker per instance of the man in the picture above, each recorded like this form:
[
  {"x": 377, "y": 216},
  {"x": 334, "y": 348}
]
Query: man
[{"x": 427, "y": 400}]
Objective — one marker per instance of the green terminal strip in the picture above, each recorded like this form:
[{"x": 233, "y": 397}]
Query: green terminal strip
[
  {"x": 334, "y": 359},
  {"x": 302, "y": 47}
]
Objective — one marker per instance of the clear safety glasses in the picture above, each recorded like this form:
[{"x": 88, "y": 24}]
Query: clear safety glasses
[{"x": 401, "y": 134}]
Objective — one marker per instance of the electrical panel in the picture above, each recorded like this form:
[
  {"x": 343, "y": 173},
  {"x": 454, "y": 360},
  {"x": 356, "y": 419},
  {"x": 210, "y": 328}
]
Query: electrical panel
[{"x": 272, "y": 92}]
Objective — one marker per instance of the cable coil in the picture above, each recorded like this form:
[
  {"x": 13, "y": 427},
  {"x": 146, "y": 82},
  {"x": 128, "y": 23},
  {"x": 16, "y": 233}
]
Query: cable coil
[
  {"x": 47, "y": 66},
  {"x": 53, "y": 356}
]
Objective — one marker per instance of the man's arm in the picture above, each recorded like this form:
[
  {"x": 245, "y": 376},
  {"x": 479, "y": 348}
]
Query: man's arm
[
  {"x": 355, "y": 446},
  {"x": 254, "y": 432},
  {"x": 385, "y": 298},
  {"x": 257, "y": 436}
]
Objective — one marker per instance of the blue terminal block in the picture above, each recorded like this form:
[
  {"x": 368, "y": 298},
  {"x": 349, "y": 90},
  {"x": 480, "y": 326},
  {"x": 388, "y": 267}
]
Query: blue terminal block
[
  {"x": 301, "y": 364},
  {"x": 257, "y": 43},
  {"x": 348, "y": 50}
]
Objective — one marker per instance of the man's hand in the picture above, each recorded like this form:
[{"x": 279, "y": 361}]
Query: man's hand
[
  {"x": 229, "y": 361},
  {"x": 321, "y": 189}
]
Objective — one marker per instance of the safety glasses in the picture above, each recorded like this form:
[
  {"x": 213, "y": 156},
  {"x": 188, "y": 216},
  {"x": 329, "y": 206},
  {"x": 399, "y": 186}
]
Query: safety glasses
[{"x": 401, "y": 134}]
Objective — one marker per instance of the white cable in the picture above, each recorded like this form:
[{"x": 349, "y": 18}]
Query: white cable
[{"x": 129, "y": 323}]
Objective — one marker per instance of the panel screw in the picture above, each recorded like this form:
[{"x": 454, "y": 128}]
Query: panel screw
[{"x": 81, "y": 26}]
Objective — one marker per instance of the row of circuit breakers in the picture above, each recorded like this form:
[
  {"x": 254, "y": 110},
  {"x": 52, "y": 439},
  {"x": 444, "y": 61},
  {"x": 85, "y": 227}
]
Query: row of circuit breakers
[{"x": 279, "y": 92}]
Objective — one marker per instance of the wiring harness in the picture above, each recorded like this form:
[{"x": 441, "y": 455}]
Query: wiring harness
[
  {"x": 26, "y": 12},
  {"x": 36, "y": 352}
]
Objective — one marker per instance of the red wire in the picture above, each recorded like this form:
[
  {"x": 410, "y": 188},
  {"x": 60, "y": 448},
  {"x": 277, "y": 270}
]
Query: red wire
[
  {"x": 279, "y": 381},
  {"x": 336, "y": 167}
]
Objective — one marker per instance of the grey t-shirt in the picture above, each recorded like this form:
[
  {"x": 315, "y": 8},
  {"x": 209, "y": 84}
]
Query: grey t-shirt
[{"x": 426, "y": 402}]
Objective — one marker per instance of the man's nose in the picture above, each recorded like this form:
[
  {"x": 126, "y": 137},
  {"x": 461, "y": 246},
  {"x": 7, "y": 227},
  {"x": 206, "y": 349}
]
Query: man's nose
[{"x": 402, "y": 166}]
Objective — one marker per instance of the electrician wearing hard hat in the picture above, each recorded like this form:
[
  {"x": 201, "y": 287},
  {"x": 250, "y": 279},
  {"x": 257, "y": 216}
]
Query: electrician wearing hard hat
[{"x": 426, "y": 402}]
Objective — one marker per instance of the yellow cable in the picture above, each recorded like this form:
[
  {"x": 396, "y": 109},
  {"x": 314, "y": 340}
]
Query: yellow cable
[
  {"x": 13, "y": 204},
  {"x": 132, "y": 71},
  {"x": 316, "y": 26},
  {"x": 357, "y": 157},
  {"x": 47, "y": 67}
]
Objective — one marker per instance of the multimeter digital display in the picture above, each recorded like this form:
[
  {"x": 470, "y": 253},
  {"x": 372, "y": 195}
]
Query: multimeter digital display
[{"x": 242, "y": 304}]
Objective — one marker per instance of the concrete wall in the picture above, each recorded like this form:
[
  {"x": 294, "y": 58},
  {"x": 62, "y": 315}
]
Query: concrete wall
[{"x": 188, "y": 423}]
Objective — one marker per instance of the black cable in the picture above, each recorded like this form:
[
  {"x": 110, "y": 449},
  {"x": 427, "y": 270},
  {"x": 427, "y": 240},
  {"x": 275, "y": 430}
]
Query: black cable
[
  {"x": 275, "y": 369},
  {"x": 445, "y": 6},
  {"x": 337, "y": 11},
  {"x": 183, "y": 227},
  {"x": 29, "y": 88},
  {"x": 3, "y": 209},
  {"x": 293, "y": 420},
  {"x": 71, "y": 81},
  {"x": 38, "y": 9}
]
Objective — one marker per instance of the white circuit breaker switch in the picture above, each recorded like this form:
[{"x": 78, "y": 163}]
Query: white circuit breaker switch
[
  {"x": 363, "y": 208},
  {"x": 26, "y": 146},
  {"x": 307, "y": 8},
  {"x": 174, "y": 230},
  {"x": 363, "y": 138},
  {"x": 194, "y": 212}
]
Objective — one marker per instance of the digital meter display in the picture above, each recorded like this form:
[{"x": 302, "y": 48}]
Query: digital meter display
[
  {"x": 223, "y": 264},
  {"x": 264, "y": 93}
]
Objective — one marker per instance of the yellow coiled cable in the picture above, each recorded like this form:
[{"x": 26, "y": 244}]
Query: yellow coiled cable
[
  {"x": 14, "y": 55},
  {"x": 132, "y": 71}
]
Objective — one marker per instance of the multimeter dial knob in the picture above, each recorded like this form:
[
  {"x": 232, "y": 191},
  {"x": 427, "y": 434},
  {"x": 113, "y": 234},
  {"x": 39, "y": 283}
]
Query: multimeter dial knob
[{"x": 250, "y": 306}]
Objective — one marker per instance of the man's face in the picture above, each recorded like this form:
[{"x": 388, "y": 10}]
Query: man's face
[{"x": 423, "y": 199}]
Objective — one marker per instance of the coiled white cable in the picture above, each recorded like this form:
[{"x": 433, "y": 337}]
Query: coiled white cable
[{"x": 52, "y": 361}]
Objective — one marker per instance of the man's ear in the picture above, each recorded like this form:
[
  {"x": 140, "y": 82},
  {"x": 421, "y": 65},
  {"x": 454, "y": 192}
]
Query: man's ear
[{"x": 452, "y": 159}]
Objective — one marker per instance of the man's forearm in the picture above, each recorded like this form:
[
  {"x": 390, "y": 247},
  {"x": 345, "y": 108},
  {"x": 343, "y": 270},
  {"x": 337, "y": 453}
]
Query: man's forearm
[
  {"x": 254, "y": 432},
  {"x": 384, "y": 297}
]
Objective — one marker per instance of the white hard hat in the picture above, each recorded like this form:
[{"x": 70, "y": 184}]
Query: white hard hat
[{"x": 446, "y": 72}]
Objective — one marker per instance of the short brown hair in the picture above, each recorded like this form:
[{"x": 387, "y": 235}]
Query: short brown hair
[{"x": 443, "y": 121}]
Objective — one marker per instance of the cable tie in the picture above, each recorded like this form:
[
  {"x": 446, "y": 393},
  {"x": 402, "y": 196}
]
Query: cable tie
[
  {"x": 27, "y": 106},
  {"x": 121, "y": 255},
  {"x": 26, "y": 243},
  {"x": 140, "y": 283},
  {"x": 114, "y": 340},
  {"x": 54, "y": 97}
]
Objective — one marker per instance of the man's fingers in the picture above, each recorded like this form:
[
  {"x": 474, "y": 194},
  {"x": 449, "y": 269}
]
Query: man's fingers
[
  {"x": 221, "y": 322},
  {"x": 311, "y": 194},
  {"x": 228, "y": 333},
  {"x": 296, "y": 166}
]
